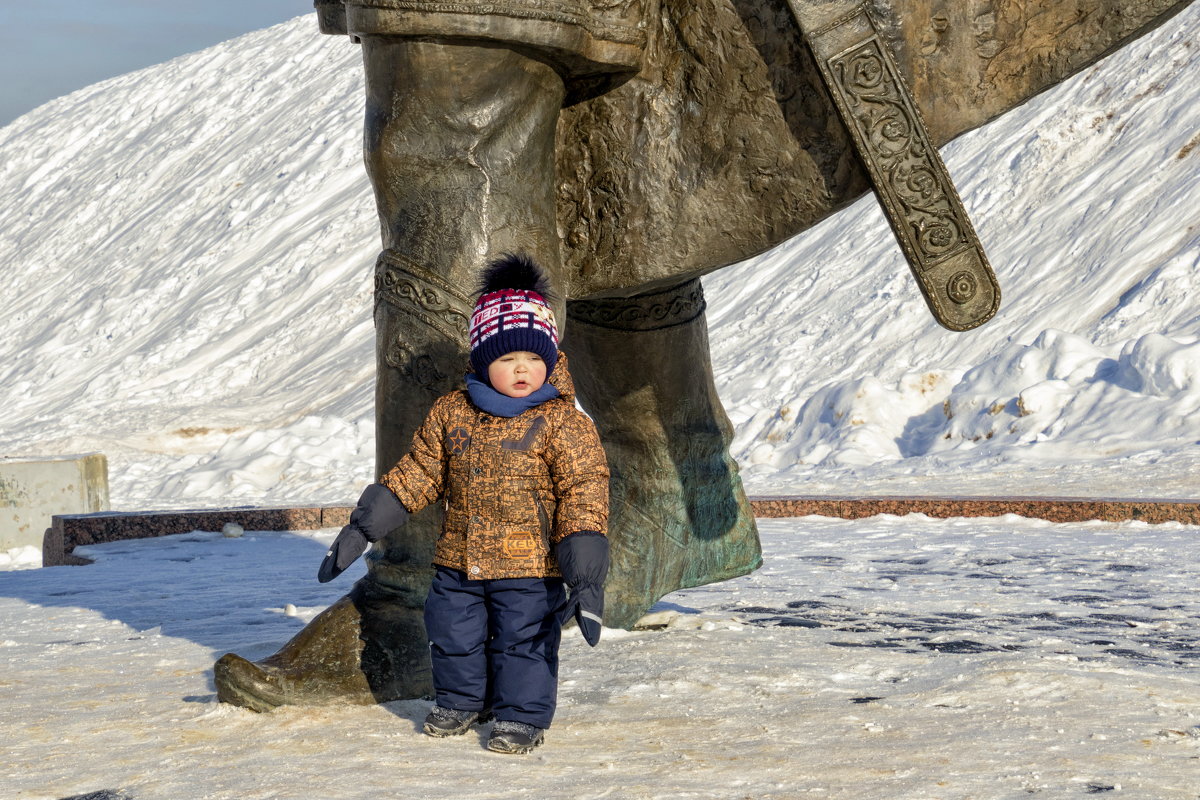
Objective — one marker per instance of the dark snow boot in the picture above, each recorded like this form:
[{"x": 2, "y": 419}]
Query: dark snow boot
[
  {"x": 449, "y": 722},
  {"x": 514, "y": 737}
]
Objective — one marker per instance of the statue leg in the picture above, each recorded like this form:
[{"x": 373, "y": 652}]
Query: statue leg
[
  {"x": 678, "y": 514},
  {"x": 459, "y": 147}
]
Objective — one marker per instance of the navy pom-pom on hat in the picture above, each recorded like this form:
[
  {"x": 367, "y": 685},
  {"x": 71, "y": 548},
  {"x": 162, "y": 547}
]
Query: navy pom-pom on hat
[{"x": 513, "y": 313}]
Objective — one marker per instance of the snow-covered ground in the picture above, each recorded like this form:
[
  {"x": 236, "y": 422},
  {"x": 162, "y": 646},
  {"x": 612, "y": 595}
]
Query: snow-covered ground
[
  {"x": 886, "y": 659},
  {"x": 186, "y": 253}
]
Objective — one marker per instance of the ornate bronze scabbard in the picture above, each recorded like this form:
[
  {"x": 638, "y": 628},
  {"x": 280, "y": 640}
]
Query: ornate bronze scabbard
[{"x": 906, "y": 172}]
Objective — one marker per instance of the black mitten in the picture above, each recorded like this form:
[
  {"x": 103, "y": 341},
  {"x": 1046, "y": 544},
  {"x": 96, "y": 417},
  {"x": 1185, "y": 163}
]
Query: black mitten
[
  {"x": 345, "y": 550},
  {"x": 378, "y": 513},
  {"x": 583, "y": 559}
]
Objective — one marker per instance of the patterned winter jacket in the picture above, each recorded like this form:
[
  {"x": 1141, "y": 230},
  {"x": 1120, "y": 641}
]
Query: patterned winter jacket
[{"x": 511, "y": 487}]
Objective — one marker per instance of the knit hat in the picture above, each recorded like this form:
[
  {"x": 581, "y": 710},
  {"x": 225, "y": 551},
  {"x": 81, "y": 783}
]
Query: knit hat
[{"x": 512, "y": 313}]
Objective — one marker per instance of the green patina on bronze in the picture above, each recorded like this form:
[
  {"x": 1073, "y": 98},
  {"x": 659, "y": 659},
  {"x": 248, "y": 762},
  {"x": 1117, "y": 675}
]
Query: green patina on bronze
[
  {"x": 630, "y": 147},
  {"x": 678, "y": 514}
]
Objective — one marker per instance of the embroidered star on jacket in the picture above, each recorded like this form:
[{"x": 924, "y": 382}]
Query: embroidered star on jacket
[{"x": 458, "y": 440}]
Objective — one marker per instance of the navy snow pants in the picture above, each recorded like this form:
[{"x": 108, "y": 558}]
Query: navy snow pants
[{"x": 494, "y": 644}]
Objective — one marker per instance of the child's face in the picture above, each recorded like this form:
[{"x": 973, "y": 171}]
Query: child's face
[{"x": 517, "y": 374}]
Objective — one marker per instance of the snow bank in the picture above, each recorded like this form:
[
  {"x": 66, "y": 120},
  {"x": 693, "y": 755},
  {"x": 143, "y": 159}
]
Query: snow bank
[
  {"x": 20, "y": 558},
  {"x": 1061, "y": 393},
  {"x": 189, "y": 253},
  {"x": 188, "y": 256}
]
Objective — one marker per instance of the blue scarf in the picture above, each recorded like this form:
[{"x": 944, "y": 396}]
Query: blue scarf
[{"x": 501, "y": 405}]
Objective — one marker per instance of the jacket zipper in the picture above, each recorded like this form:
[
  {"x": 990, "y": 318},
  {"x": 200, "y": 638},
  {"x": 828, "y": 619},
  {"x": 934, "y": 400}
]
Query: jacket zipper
[{"x": 543, "y": 517}]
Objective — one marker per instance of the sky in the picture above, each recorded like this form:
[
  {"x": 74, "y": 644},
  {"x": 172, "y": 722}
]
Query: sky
[{"x": 53, "y": 47}]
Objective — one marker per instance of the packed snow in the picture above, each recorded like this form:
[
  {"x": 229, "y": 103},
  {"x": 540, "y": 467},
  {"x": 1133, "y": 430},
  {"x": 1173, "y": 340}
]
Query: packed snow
[
  {"x": 188, "y": 256},
  {"x": 874, "y": 660}
]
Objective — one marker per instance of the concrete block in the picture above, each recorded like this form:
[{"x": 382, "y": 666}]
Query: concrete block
[{"x": 33, "y": 490}]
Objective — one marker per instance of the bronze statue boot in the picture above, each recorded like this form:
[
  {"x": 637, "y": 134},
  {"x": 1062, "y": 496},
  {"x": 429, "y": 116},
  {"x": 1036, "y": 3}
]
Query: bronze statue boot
[
  {"x": 678, "y": 515},
  {"x": 368, "y": 647},
  {"x": 319, "y": 664}
]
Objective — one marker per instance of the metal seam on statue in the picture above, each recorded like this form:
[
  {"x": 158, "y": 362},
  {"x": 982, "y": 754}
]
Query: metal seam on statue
[
  {"x": 677, "y": 535},
  {"x": 849, "y": 16},
  {"x": 550, "y": 12}
]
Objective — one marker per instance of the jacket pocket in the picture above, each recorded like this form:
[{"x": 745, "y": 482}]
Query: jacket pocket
[
  {"x": 519, "y": 503},
  {"x": 454, "y": 524}
]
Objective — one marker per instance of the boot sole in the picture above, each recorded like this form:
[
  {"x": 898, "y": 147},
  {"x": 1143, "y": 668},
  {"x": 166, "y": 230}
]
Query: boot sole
[
  {"x": 232, "y": 673},
  {"x": 442, "y": 733},
  {"x": 509, "y": 748},
  {"x": 234, "y": 696}
]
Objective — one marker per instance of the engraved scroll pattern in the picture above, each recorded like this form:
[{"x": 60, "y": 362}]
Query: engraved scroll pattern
[
  {"x": 405, "y": 285},
  {"x": 913, "y": 179},
  {"x": 420, "y": 294},
  {"x": 651, "y": 312}
]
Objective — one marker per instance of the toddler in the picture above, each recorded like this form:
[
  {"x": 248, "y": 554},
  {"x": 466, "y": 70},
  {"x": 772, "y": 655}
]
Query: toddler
[{"x": 524, "y": 483}]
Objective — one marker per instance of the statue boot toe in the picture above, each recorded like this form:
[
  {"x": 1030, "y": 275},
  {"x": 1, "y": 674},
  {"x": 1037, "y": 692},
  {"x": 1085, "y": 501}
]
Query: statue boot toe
[
  {"x": 320, "y": 665},
  {"x": 368, "y": 647},
  {"x": 256, "y": 686}
]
